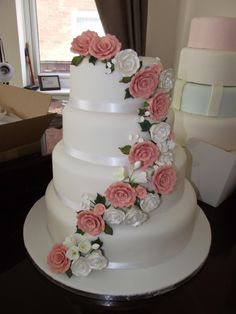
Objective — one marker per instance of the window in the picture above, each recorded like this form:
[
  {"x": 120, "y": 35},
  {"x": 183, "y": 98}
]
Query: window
[{"x": 53, "y": 26}]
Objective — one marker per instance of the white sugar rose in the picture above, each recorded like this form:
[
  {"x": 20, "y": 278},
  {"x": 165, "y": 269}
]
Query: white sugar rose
[
  {"x": 135, "y": 217},
  {"x": 84, "y": 246},
  {"x": 114, "y": 216},
  {"x": 73, "y": 253},
  {"x": 97, "y": 261},
  {"x": 160, "y": 132},
  {"x": 165, "y": 159},
  {"x": 80, "y": 267},
  {"x": 171, "y": 144},
  {"x": 127, "y": 62},
  {"x": 150, "y": 202}
]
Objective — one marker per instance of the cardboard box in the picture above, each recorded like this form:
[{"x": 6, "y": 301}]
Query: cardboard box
[
  {"x": 23, "y": 137},
  {"x": 212, "y": 171}
]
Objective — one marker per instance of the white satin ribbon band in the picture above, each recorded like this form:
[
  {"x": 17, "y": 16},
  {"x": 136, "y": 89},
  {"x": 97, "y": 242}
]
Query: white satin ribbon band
[
  {"x": 113, "y": 265},
  {"x": 215, "y": 100},
  {"x": 109, "y": 107},
  {"x": 66, "y": 201},
  {"x": 96, "y": 159}
]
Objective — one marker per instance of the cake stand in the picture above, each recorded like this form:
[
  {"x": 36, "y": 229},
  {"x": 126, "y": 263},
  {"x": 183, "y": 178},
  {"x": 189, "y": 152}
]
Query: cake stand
[{"x": 119, "y": 285}]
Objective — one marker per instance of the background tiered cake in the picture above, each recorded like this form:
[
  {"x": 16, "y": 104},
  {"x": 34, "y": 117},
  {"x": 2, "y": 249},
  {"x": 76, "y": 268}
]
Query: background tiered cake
[{"x": 204, "y": 102}]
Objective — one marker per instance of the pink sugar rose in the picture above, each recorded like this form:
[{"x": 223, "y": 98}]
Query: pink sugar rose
[
  {"x": 157, "y": 68},
  {"x": 104, "y": 48},
  {"x": 143, "y": 83},
  {"x": 57, "y": 260},
  {"x": 91, "y": 223},
  {"x": 164, "y": 179},
  {"x": 121, "y": 195},
  {"x": 141, "y": 192},
  {"x": 146, "y": 152},
  {"x": 80, "y": 44},
  {"x": 99, "y": 209},
  {"x": 158, "y": 106}
]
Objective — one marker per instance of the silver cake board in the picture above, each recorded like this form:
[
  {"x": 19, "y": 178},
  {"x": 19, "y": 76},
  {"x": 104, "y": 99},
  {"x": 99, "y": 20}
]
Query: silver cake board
[{"x": 120, "y": 285}]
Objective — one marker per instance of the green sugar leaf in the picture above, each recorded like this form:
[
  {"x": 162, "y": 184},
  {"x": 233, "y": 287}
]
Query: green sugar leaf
[
  {"x": 108, "y": 229},
  {"x": 125, "y": 149},
  {"x": 125, "y": 79},
  {"x": 100, "y": 199},
  {"x": 92, "y": 60},
  {"x": 127, "y": 94},
  {"x": 145, "y": 125},
  {"x": 77, "y": 60}
]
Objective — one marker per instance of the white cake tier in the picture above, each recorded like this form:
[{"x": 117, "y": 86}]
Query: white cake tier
[
  {"x": 93, "y": 88},
  {"x": 219, "y": 132},
  {"x": 96, "y": 136},
  {"x": 217, "y": 101},
  {"x": 165, "y": 234},
  {"x": 205, "y": 66},
  {"x": 73, "y": 177},
  {"x": 216, "y": 32}
]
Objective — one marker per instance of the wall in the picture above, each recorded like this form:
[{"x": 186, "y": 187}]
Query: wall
[
  {"x": 167, "y": 29},
  {"x": 9, "y": 34},
  {"x": 161, "y": 30},
  {"x": 169, "y": 22}
]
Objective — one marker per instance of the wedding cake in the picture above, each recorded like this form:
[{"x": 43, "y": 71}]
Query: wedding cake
[
  {"x": 119, "y": 198},
  {"x": 205, "y": 89}
]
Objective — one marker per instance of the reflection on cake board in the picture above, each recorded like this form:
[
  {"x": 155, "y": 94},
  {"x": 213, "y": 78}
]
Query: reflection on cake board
[{"x": 120, "y": 284}]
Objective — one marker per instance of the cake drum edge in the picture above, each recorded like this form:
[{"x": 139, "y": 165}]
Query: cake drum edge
[{"x": 164, "y": 277}]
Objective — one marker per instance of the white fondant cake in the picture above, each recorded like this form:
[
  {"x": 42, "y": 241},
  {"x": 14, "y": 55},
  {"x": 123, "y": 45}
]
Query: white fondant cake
[
  {"x": 117, "y": 164},
  {"x": 207, "y": 66},
  {"x": 215, "y": 131}
]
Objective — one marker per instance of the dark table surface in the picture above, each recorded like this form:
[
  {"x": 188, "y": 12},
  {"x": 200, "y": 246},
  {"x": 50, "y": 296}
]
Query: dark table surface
[{"x": 24, "y": 289}]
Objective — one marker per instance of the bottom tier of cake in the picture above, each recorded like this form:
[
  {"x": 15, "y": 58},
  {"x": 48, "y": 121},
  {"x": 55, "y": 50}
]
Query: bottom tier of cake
[
  {"x": 215, "y": 131},
  {"x": 163, "y": 236}
]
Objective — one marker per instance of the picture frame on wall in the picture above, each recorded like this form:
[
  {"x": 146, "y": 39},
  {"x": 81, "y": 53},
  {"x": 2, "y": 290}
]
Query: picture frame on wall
[{"x": 49, "y": 82}]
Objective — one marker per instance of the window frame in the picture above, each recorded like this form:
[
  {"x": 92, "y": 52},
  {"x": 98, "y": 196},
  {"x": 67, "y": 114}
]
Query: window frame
[{"x": 32, "y": 38}]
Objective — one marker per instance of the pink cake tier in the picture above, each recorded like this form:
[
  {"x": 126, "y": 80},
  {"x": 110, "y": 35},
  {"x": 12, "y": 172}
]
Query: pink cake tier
[{"x": 213, "y": 33}]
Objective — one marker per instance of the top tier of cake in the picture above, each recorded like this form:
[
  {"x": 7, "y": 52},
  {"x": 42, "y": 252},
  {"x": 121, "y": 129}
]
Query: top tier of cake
[{"x": 213, "y": 33}]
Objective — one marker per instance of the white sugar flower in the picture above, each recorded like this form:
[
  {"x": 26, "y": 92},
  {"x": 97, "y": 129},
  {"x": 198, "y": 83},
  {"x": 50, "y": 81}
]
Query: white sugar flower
[
  {"x": 70, "y": 241},
  {"x": 114, "y": 216},
  {"x": 127, "y": 62},
  {"x": 95, "y": 246},
  {"x": 120, "y": 174},
  {"x": 137, "y": 164},
  {"x": 166, "y": 159},
  {"x": 80, "y": 267},
  {"x": 149, "y": 203},
  {"x": 135, "y": 217},
  {"x": 140, "y": 140},
  {"x": 141, "y": 119},
  {"x": 163, "y": 147},
  {"x": 96, "y": 260},
  {"x": 147, "y": 113},
  {"x": 84, "y": 246},
  {"x": 109, "y": 65},
  {"x": 73, "y": 253},
  {"x": 138, "y": 176},
  {"x": 85, "y": 202},
  {"x": 160, "y": 132}
]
